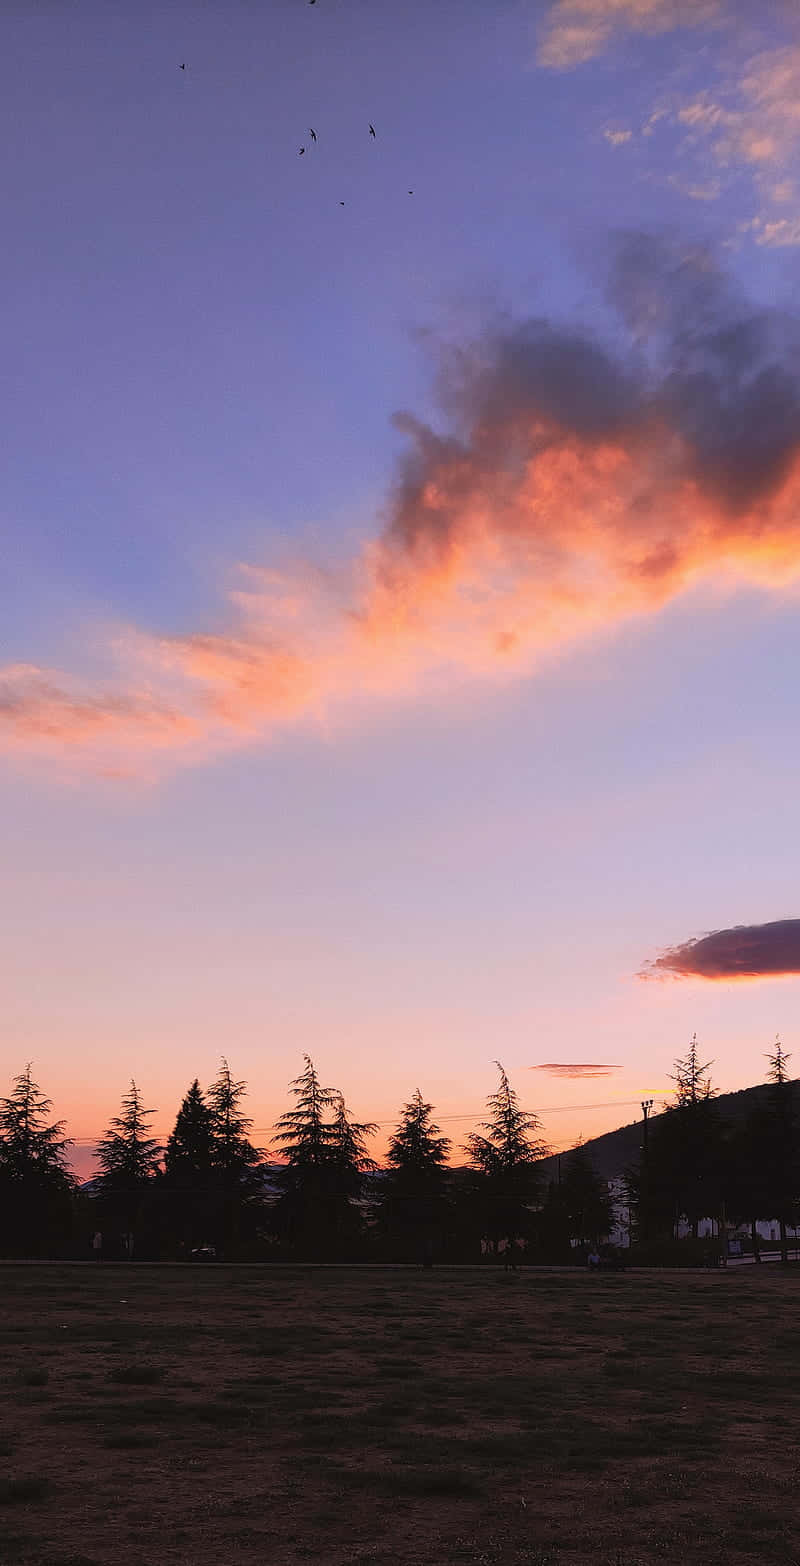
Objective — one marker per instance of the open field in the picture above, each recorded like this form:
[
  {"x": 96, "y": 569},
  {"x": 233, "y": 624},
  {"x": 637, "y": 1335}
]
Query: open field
[{"x": 157, "y": 1415}]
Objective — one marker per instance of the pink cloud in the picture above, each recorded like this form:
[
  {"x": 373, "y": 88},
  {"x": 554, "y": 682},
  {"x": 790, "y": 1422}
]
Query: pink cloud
[{"x": 575, "y": 31}]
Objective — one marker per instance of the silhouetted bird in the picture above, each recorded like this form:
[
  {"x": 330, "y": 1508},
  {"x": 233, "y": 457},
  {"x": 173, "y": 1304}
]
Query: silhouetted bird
[
  {"x": 300, "y": 153},
  {"x": 183, "y": 67},
  {"x": 411, "y": 193},
  {"x": 372, "y": 130},
  {"x": 341, "y": 203},
  {"x": 313, "y": 135}
]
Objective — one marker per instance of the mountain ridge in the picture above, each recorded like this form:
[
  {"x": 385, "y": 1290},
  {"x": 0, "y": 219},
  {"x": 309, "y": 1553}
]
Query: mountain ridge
[{"x": 615, "y": 1151}]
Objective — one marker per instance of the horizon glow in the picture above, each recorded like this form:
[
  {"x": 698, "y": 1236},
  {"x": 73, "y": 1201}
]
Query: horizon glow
[{"x": 396, "y": 648}]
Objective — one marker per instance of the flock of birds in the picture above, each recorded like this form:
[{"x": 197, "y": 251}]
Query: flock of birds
[{"x": 311, "y": 131}]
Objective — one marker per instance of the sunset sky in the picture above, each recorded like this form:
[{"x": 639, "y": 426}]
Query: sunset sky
[{"x": 399, "y": 617}]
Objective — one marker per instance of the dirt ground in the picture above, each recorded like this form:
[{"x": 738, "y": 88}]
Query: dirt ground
[{"x": 157, "y": 1415}]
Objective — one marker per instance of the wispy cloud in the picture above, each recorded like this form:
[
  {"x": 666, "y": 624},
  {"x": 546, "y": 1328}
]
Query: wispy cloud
[
  {"x": 710, "y": 191},
  {"x": 575, "y": 1069},
  {"x": 37, "y": 706},
  {"x": 747, "y": 951},
  {"x": 746, "y": 124},
  {"x": 752, "y": 119},
  {"x": 746, "y": 116},
  {"x": 575, "y": 31},
  {"x": 776, "y": 232},
  {"x": 569, "y": 488}
]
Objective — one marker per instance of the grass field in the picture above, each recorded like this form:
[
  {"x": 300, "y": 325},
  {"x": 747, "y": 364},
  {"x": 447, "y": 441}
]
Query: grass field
[{"x": 155, "y": 1415}]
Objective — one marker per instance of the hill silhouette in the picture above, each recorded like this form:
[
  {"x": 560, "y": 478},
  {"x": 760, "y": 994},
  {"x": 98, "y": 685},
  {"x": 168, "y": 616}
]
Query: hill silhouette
[{"x": 615, "y": 1151}]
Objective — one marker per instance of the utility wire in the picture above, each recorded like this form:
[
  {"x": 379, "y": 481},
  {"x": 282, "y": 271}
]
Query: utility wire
[{"x": 550, "y": 1109}]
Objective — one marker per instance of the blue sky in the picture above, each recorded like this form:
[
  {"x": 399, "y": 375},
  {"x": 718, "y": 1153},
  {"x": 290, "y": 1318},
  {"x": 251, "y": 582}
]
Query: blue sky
[{"x": 412, "y": 872}]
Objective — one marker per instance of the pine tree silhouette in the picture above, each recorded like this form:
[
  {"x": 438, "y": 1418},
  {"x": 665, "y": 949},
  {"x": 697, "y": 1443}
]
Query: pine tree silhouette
[
  {"x": 187, "y": 1189},
  {"x": 235, "y": 1161},
  {"x": 304, "y": 1138},
  {"x": 129, "y": 1162},
  {"x": 413, "y": 1209},
  {"x": 687, "y": 1152},
  {"x": 584, "y": 1198},
  {"x": 505, "y": 1161},
  {"x": 190, "y": 1147},
  {"x": 35, "y": 1180},
  {"x": 776, "y": 1146}
]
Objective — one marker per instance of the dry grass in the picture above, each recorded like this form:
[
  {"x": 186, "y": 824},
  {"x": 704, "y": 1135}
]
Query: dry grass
[{"x": 381, "y": 1416}]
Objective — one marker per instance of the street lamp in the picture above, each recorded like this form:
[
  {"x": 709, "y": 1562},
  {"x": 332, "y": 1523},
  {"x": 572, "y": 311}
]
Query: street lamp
[{"x": 647, "y": 1104}]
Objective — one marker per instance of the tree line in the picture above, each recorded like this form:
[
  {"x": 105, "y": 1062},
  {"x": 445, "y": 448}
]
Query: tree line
[
  {"x": 209, "y": 1189},
  {"x": 697, "y": 1165}
]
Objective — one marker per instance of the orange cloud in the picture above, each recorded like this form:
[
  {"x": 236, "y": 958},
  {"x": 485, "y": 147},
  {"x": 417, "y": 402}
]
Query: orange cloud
[
  {"x": 38, "y": 707},
  {"x": 572, "y": 488},
  {"x": 748, "y": 951}
]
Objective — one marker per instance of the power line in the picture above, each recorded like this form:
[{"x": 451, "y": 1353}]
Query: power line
[{"x": 475, "y": 1115}]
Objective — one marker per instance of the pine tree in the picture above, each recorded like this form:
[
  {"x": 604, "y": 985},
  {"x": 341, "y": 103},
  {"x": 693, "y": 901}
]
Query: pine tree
[
  {"x": 35, "y": 1180},
  {"x": 190, "y": 1147},
  {"x": 350, "y": 1164},
  {"x": 304, "y": 1138},
  {"x": 783, "y": 1173},
  {"x": 584, "y": 1197},
  {"x": 413, "y": 1208},
  {"x": 28, "y": 1141},
  {"x": 232, "y": 1152},
  {"x": 747, "y": 1185},
  {"x": 691, "y": 1086},
  {"x": 505, "y": 1161},
  {"x": 129, "y": 1159},
  {"x": 235, "y": 1162},
  {"x": 687, "y": 1152},
  {"x": 348, "y": 1149},
  {"x": 187, "y": 1187},
  {"x": 303, "y": 1134},
  {"x": 774, "y": 1148}
]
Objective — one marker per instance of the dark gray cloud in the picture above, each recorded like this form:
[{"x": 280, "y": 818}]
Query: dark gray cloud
[
  {"x": 747, "y": 951},
  {"x": 700, "y": 391}
]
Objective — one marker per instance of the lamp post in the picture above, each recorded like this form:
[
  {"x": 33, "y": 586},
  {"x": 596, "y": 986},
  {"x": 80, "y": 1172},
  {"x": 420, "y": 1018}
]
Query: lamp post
[
  {"x": 647, "y": 1104},
  {"x": 644, "y": 1194}
]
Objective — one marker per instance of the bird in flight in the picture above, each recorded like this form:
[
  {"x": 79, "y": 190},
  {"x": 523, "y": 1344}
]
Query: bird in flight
[
  {"x": 313, "y": 135},
  {"x": 372, "y": 130},
  {"x": 411, "y": 193},
  {"x": 300, "y": 153},
  {"x": 183, "y": 67}
]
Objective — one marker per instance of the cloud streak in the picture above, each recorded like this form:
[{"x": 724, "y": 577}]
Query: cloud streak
[
  {"x": 748, "y": 951},
  {"x": 575, "y": 1070},
  {"x": 568, "y": 488}
]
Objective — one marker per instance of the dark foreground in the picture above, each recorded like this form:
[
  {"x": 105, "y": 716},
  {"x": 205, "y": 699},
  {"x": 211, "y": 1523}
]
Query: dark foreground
[{"x": 157, "y": 1415}]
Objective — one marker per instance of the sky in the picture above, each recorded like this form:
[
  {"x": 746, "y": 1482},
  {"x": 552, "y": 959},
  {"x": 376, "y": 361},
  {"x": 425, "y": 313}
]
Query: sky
[{"x": 398, "y": 621}]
